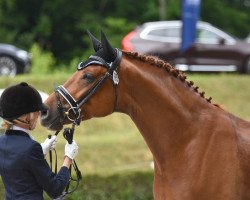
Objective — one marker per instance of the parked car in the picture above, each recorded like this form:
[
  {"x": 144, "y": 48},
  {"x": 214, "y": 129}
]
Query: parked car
[
  {"x": 13, "y": 60},
  {"x": 213, "y": 51},
  {"x": 248, "y": 38}
]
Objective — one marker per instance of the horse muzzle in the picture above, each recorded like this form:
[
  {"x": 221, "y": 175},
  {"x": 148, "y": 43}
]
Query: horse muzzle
[{"x": 51, "y": 120}]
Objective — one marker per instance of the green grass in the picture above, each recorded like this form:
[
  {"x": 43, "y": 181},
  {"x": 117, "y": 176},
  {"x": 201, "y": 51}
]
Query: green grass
[
  {"x": 113, "y": 156},
  {"x": 122, "y": 186}
]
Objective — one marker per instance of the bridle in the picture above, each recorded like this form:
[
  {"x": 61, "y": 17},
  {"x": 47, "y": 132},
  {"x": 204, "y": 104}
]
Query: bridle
[{"x": 75, "y": 105}]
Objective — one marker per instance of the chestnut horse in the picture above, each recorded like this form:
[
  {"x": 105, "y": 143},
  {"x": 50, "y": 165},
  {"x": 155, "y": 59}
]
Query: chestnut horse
[{"x": 200, "y": 151}]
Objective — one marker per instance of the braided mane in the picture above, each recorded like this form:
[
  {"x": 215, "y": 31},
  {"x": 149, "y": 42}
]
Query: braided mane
[{"x": 152, "y": 60}]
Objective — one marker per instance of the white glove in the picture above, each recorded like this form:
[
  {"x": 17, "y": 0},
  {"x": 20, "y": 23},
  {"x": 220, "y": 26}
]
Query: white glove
[
  {"x": 71, "y": 150},
  {"x": 49, "y": 144}
]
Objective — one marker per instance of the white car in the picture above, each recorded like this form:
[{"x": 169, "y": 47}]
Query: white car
[{"x": 213, "y": 51}]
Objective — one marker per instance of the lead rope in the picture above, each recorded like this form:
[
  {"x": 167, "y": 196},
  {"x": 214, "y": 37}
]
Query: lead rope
[
  {"x": 50, "y": 155},
  {"x": 68, "y": 134}
]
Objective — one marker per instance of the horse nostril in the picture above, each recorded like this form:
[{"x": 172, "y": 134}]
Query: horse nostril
[{"x": 44, "y": 113}]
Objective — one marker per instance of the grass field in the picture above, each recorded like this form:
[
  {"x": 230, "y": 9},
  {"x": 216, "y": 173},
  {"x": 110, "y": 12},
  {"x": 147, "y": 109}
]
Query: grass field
[{"x": 113, "y": 156}]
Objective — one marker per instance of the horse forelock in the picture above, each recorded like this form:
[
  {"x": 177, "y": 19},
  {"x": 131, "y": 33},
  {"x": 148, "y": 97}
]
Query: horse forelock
[{"x": 155, "y": 61}]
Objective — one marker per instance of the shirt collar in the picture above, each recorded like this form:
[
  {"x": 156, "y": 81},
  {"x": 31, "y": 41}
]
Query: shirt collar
[{"x": 17, "y": 128}]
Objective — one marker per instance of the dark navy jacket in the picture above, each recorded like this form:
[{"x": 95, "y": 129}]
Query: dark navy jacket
[{"x": 25, "y": 172}]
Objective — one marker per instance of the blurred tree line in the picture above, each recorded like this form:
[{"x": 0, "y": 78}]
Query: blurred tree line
[{"x": 58, "y": 27}]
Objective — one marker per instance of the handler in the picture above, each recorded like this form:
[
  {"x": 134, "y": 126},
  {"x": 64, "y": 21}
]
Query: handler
[{"x": 23, "y": 168}]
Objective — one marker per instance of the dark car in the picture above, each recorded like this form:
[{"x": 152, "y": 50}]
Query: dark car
[
  {"x": 13, "y": 60},
  {"x": 213, "y": 51}
]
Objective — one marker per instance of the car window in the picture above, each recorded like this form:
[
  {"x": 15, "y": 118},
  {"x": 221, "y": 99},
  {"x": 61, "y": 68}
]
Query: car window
[
  {"x": 206, "y": 36},
  {"x": 165, "y": 32}
]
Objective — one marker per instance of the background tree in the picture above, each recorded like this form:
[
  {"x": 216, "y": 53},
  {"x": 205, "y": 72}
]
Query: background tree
[
  {"x": 162, "y": 9},
  {"x": 59, "y": 26}
]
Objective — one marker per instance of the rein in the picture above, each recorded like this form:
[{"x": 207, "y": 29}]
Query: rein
[{"x": 68, "y": 134}]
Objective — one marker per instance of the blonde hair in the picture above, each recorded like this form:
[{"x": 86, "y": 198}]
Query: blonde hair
[{"x": 6, "y": 124}]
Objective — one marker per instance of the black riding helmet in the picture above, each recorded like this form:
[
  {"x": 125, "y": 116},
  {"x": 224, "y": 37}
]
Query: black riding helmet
[{"x": 20, "y": 99}]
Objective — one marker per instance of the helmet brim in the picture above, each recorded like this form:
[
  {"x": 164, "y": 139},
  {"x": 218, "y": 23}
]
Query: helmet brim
[{"x": 42, "y": 107}]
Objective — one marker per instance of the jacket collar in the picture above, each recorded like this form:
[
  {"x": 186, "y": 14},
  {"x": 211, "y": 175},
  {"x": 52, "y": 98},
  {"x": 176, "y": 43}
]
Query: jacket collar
[{"x": 17, "y": 132}]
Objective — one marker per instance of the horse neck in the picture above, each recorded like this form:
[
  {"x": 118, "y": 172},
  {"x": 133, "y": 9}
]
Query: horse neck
[{"x": 162, "y": 106}]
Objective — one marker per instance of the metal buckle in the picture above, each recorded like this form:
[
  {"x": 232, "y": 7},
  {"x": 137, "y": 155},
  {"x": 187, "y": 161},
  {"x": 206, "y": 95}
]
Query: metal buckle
[
  {"x": 76, "y": 113},
  {"x": 115, "y": 78}
]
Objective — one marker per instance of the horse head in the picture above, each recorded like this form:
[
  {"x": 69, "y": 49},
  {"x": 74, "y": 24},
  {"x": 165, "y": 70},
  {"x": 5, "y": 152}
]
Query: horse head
[{"x": 90, "y": 92}]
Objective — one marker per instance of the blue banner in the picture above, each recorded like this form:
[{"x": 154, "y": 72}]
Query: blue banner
[{"x": 190, "y": 16}]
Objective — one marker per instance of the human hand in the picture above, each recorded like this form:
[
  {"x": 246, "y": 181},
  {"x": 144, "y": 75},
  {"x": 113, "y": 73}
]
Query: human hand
[
  {"x": 71, "y": 150},
  {"x": 49, "y": 144}
]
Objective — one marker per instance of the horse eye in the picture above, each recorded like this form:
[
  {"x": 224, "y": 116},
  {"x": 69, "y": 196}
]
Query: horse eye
[{"x": 88, "y": 77}]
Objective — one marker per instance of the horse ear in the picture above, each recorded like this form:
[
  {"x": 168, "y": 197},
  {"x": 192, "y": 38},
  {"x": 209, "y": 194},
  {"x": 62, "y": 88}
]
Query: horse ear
[
  {"x": 97, "y": 45},
  {"x": 108, "y": 49}
]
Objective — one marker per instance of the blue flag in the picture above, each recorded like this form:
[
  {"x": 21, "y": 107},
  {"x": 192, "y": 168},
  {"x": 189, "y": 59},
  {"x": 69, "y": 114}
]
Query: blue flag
[{"x": 190, "y": 16}]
